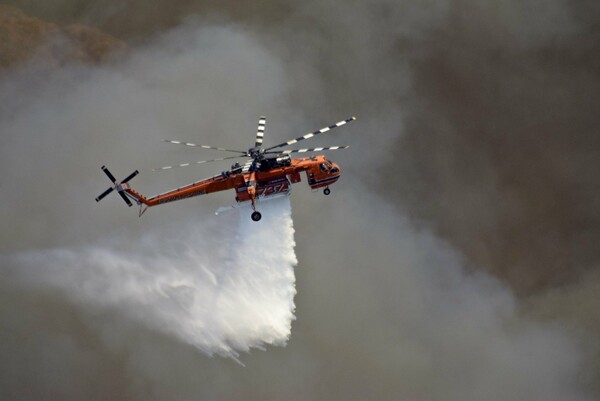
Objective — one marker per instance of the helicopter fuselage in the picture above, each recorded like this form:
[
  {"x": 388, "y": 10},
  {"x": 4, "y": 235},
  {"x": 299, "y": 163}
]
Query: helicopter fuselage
[{"x": 266, "y": 180}]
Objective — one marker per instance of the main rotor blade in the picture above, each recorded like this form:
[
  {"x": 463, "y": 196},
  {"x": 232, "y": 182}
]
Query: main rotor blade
[
  {"x": 199, "y": 162},
  {"x": 202, "y": 146},
  {"x": 109, "y": 175},
  {"x": 260, "y": 132},
  {"x": 125, "y": 198},
  {"x": 288, "y": 151},
  {"x": 103, "y": 194},
  {"x": 315, "y": 133}
]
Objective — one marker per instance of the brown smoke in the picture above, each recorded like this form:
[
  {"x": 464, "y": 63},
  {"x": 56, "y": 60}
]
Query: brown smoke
[
  {"x": 24, "y": 37},
  {"x": 501, "y": 149}
]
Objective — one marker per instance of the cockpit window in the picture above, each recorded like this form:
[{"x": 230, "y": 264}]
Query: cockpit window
[{"x": 324, "y": 168}]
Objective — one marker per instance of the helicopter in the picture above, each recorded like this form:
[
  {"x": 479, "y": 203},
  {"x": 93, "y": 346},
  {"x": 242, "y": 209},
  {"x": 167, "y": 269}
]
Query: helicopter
[{"x": 266, "y": 174}]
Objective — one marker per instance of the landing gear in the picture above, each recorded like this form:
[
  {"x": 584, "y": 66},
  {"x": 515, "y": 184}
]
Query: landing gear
[
  {"x": 327, "y": 191},
  {"x": 255, "y": 216}
]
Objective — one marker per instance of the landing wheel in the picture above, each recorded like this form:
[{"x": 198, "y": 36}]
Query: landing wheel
[
  {"x": 327, "y": 191},
  {"x": 256, "y": 216}
]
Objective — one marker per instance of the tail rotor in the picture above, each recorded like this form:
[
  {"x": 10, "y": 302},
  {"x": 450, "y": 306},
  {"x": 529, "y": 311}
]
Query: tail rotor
[{"x": 119, "y": 187}]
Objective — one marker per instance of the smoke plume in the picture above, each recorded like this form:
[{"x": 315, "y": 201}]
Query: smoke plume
[{"x": 454, "y": 259}]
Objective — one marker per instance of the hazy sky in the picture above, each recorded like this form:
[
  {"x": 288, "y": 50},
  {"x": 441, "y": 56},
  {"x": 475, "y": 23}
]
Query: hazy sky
[{"x": 456, "y": 258}]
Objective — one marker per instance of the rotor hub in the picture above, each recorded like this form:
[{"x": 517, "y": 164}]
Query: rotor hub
[{"x": 256, "y": 153}]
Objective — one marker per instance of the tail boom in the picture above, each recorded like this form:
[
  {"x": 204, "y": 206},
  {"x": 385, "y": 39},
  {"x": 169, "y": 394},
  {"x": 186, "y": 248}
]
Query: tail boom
[{"x": 209, "y": 185}]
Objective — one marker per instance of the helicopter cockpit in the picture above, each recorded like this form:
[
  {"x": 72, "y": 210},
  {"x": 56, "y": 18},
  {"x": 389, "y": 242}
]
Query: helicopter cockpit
[{"x": 327, "y": 167}]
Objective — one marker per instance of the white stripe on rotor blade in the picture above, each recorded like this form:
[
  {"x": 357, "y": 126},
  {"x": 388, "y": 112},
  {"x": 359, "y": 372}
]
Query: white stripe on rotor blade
[
  {"x": 318, "y": 149},
  {"x": 308, "y": 136},
  {"x": 334, "y": 147},
  {"x": 260, "y": 134},
  {"x": 293, "y": 141},
  {"x": 184, "y": 165},
  {"x": 324, "y": 130},
  {"x": 259, "y": 140},
  {"x": 302, "y": 150}
]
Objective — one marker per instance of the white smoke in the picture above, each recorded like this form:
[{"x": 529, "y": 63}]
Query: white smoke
[
  {"x": 219, "y": 284},
  {"x": 222, "y": 286}
]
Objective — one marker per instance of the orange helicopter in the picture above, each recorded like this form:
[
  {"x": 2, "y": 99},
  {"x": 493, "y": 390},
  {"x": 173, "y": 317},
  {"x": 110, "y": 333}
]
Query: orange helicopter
[{"x": 267, "y": 174}]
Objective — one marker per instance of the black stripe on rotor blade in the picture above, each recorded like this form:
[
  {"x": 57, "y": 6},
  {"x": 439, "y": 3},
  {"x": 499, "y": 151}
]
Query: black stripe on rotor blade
[
  {"x": 125, "y": 198},
  {"x": 110, "y": 176},
  {"x": 315, "y": 133},
  {"x": 109, "y": 190},
  {"x": 202, "y": 146},
  {"x": 130, "y": 176}
]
